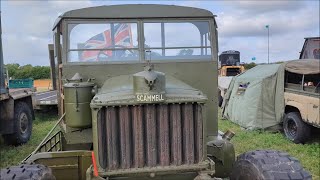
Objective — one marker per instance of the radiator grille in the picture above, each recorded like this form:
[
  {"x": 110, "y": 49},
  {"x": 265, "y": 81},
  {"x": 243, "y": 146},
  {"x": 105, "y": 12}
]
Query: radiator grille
[{"x": 150, "y": 135}]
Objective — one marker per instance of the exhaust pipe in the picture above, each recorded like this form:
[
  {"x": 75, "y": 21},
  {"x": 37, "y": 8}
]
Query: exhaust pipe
[{"x": 228, "y": 135}]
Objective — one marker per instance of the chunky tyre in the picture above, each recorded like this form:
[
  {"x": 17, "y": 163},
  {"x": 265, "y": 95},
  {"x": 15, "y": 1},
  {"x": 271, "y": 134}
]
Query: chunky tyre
[
  {"x": 267, "y": 164},
  {"x": 22, "y": 125},
  {"x": 295, "y": 129},
  {"x": 27, "y": 171}
]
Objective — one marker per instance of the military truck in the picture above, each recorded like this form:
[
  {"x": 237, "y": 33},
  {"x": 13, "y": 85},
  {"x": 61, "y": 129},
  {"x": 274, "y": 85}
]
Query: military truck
[
  {"x": 301, "y": 97},
  {"x": 133, "y": 106},
  {"x": 229, "y": 66},
  {"x": 310, "y": 48},
  {"x": 230, "y": 63},
  {"x": 16, "y": 109}
]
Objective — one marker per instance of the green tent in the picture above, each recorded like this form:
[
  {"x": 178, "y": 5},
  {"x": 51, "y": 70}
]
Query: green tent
[{"x": 254, "y": 99}]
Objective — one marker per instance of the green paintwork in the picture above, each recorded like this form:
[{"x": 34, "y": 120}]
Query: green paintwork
[
  {"x": 153, "y": 176},
  {"x": 126, "y": 83},
  {"x": 77, "y": 95},
  {"x": 65, "y": 165},
  {"x": 224, "y": 155},
  {"x": 124, "y": 89},
  {"x": 127, "y": 89},
  {"x": 165, "y": 172},
  {"x": 204, "y": 79},
  {"x": 75, "y": 136}
]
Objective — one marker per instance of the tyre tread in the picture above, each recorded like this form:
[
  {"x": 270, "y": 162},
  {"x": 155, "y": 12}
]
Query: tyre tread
[
  {"x": 27, "y": 171},
  {"x": 304, "y": 129},
  {"x": 275, "y": 165},
  {"x": 15, "y": 138}
]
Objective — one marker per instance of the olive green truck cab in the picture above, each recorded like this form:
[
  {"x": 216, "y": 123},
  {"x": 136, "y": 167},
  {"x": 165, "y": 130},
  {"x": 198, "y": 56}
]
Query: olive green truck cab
[
  {"x": 302, "y": 99},
  {"x": 138, "y": 100}
]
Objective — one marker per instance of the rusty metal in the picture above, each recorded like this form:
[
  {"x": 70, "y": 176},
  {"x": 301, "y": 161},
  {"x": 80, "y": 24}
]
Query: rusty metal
[
  {"x": 150, "y": 135},
  {"x": 164, "y": 155},
  {"x": 53, "y": 144},
  {"x": 228, "y": 135},
  {"x": 160, "y": 171},
  {"x": 176, "y": 134},
  {"x": 125, "y": 137},
  {"x": 102, "y": 142},
  {"x": 198, "y": 132},
  {"x": 138, "y": 141},
  {"x": 188, "y": 133},
  {"x": 112, "y": 138}
]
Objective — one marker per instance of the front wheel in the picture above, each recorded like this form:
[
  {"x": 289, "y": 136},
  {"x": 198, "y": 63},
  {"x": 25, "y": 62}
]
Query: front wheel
[
  {"x": 268, "y": 164},
  {"x": 295, "y": 129},
  {"x": 22, "y": 124}
]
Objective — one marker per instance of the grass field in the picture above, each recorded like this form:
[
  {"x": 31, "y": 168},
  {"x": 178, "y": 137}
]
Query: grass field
[
  {"x": 308, "y": 154},
  {"x": 10, "y": 155}
]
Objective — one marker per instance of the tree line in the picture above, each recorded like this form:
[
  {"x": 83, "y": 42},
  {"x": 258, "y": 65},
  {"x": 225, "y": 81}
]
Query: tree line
[
  {"x": 16, "y": 71},
  {"x": 43, "y": 72},
  {"x": 250, "y": 65}
]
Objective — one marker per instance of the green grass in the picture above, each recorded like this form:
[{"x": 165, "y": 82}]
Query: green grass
[
  {"x": 11, "y": 155},
  {"x": 308, "y": 154}
]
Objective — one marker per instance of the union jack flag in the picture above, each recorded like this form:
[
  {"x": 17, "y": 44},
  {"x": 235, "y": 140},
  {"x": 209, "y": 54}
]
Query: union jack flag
[{"x": 122, "y": 38}]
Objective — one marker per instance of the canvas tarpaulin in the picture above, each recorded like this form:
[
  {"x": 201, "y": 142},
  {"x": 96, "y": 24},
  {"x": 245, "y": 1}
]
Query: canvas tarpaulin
[
  {"x": 305, "y": 66},
  {"x": 224, "y": 81},
  {"x": 254, "y": 99}
]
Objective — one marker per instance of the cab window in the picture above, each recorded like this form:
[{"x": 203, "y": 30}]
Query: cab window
[
  {"x": 117, "y": 41},
  {"x": 177, "y": 40}
]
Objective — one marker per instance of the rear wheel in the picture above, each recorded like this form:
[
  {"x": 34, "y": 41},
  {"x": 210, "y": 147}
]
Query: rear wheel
[
  {"x": 268, "y": 164},
  {"x": 295, "y": 129},
  {"x": 27, "y": 171},
  {"x": 22, "y": 125}
]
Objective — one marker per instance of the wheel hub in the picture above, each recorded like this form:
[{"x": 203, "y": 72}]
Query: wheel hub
[
  {"x": 292, "y": 128},
  {"x": 23, "y": 118}
]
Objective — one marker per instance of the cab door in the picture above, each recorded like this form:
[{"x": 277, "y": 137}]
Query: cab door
[{"x": 313, "y": 110}]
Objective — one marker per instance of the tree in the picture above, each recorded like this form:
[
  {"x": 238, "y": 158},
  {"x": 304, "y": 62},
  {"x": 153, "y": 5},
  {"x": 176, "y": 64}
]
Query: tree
[
  {"x": 250, "y": 65},
  {"x": 28, "y": 71}
]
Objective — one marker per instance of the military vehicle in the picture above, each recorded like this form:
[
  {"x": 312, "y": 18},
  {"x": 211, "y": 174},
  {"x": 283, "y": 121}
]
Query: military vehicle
[
  {"x": 138, "y": 100},
  {"x": 15, "y": 107},
  {"x": 310, "y": 48},
  {"x": 230, "y": 63},
  {"x": 229, "y": 66},
  {"x": 301, "y": 97}
]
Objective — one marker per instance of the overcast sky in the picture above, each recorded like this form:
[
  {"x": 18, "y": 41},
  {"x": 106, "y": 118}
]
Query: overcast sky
[{"x": 27, "y": 25}]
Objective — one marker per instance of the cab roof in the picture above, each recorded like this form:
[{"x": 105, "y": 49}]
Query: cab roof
[
  {"x": 134, "y": 11},
  {"x": 303, "y": 66}
]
